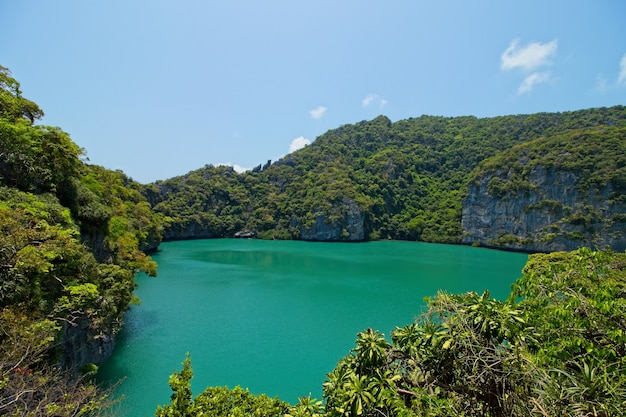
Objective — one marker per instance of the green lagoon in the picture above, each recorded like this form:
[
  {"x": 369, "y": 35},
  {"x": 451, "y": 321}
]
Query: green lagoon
[{"x": 276, "y": 316}]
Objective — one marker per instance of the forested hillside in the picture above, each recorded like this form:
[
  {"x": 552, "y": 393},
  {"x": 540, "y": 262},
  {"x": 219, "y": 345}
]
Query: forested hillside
[
  {"x": 377, "y": 179},
  {"x": 74, "y": 236},
  {"x": 70, "y": 247}
]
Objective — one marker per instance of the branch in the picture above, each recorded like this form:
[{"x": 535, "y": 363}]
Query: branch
[
  {"x": 406, "y": 392},
  {"x": 540, "y": 407}
]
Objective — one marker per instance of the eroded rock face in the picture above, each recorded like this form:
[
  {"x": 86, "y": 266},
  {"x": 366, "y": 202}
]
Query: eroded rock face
[
  {"x": 83, "y": 344},
  {"x": 348, "y": 227},
  {"x": 191, "y": 230},
  {"x": 553, "y": 213}
]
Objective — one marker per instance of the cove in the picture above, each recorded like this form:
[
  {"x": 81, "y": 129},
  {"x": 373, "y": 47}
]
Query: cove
[{"x": 276, "y": 316}]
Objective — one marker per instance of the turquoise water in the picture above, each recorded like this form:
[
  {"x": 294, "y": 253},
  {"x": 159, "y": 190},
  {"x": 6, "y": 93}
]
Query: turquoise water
[{"x": 276, "y": 316}]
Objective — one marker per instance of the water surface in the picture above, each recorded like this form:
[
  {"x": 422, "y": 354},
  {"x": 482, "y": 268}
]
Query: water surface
[{"x": 276, "y": 316}]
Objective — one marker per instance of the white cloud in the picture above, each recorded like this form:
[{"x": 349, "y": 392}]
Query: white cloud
[
  {"x": 298, "y": 143},
  {"x": 603, "y": 85},
  {"x": 237, "y": 168},
  {"x": 528, "y": 58},
  {"x": 621, "y": 78},
  {"x": 240, "y": 169},
  {"x": 371, "y": 98},
  {"x": 368, "y": 100},
  {"x": 318, "y": 113},
  {"x": 533, "y": 79}
]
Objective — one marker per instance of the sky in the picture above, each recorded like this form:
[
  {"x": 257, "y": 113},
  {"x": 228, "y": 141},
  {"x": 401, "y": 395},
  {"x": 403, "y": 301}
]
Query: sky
[{"x": 159, "y": 88}]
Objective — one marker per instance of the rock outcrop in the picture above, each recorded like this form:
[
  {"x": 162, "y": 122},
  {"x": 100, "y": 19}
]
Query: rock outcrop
[
  {"x": 245, "y": 234},
  {"x": 348, "y": 226},
  {"x": 191, "y": 229},
  {"x": 551, "y": 211},
  {"x": 83, "y": 344}
]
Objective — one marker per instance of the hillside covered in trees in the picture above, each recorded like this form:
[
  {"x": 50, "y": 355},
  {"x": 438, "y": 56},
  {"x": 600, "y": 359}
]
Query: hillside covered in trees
[
  {"x": 409, "y": 180},
  {"x": 70, "y": 247},
  {"x": 74, "y": 235}
]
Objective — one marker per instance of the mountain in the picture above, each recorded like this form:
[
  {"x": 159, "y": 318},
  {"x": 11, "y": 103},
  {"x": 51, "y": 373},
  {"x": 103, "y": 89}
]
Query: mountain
[
  {"x": 432, "y": 179},
  {"x": 552, "y": 194},
  {"x": 74, "y": 235}
]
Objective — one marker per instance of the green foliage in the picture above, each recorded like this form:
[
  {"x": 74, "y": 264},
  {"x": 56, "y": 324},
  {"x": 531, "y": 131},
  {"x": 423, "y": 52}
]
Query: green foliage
[
  {"x": 47, "y": 268},
  {"x": 30, "y": 386},
  {"x": 37, "y": 158},
  {"x": 71, "y": 240},
  {"x": 576, "y": 304},
  {"x": 595, "y": 155},
  {"x": 218, "y": 401},
  {"x": 41, "y": 253},
  {"x": 33, "y": 158},
  {"x": 364, "y": 380},
  {"x": 555, "y": 347},
  {"x": 13, "y": 106},
  {"x": 113, "y": 201},
  {"x": 407, "y": 178}
]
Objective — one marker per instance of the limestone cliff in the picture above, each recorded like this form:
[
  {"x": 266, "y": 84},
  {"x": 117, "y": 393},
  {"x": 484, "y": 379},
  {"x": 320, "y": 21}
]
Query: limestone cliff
[
  {"x": 552, "y": 215},
  {"x": 190, "y": 229},
  {"x": 550, "y": 196},
  {"x": 82, "y": 343},
  {"x": 347, "y": 226}
]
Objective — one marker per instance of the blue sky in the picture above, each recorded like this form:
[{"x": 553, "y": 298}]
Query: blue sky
[{"x": 158, "y": 88}]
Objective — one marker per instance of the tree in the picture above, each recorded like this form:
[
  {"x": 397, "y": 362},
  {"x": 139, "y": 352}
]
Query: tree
[
  {"x": 216, "y": 401},
  {"x": 12, "y": 105},
  {"x": 575, "y": 304},
  {"x": 182, "y": 401},
  {"x": 64, "y": 279},
  {"x": 556, "y": 346},
  {"x": 31, "y": 387}
]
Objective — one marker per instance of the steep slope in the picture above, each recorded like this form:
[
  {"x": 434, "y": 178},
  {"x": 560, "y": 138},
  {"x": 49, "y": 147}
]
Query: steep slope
[
  {"x": 370, "y": 180},
  {"x": 556, "y": 193},
  {"x": 71, "y": 244}
]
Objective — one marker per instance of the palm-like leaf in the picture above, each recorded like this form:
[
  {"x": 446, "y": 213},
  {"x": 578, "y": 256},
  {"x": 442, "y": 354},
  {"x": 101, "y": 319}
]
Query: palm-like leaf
[
  {"x": 359, "y": 395},
  {"x": 371, "y": 350}
]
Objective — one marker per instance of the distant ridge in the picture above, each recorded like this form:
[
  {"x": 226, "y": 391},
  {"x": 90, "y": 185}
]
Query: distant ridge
[{"x": 405, "y": 180}]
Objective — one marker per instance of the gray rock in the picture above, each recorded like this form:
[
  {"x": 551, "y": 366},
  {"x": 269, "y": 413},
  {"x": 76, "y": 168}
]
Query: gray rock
[
  {"x": 82, "y": 343},
  {"x": 192, "y": 229},
  {"x": 348, "y": 227},
  {"x": 553, "y": 214}
]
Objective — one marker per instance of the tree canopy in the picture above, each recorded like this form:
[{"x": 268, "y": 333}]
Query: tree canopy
[
  {"x": 71, "y": 244},
  {"x": 407, "y": 179},
  {"x": 74, "y": 236}
]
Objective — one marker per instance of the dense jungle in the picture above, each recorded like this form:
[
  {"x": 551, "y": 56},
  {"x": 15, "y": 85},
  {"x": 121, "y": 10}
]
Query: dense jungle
[{"x": 74, "y": 236}]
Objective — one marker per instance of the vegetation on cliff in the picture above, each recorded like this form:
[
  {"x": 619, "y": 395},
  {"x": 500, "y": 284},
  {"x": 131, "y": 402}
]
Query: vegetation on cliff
[
  {"x": 407, "y": 179},
  {"x": 596, "y": 155},
  {"x": 558, "y": 192},
  {"x": 555, "y": 347},
  {"x": 74, "y": 235},
  {"x": 69, "y": 250}
]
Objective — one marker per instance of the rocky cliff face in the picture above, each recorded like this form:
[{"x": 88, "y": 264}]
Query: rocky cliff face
[
  {"x": 83, "y": 344},
  {"x": 551, "y": 211},
  {"x": 346, "y": 227},
  {"x": 192, "y": 229}
]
